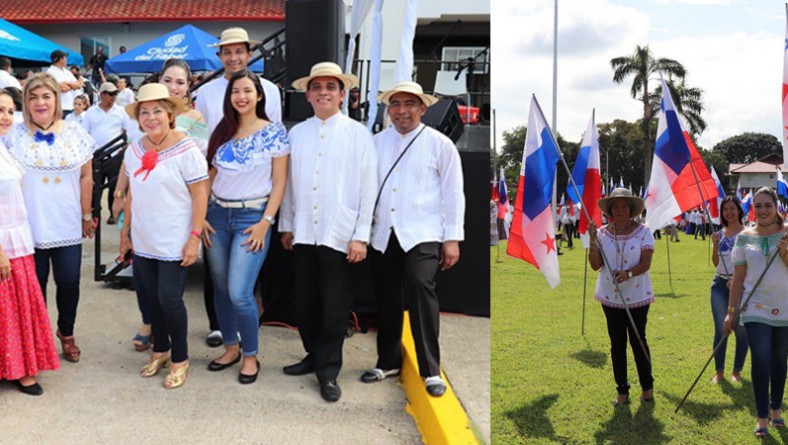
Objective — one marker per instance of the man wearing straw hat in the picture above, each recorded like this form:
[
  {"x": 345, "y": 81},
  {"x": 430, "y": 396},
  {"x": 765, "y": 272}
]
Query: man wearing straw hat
[
  {"x": 234, "y": 53},
  {"x": 418, "y": 227},
  {"x": 326, "y": 217}
]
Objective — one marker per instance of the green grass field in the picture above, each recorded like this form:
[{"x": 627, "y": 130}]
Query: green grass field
[{"x": 550, "y": 384}]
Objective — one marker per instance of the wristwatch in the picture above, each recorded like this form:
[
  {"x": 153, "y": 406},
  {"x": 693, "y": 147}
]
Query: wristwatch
[
  {"x": 87, "y": 217},
  {"x": 629, "y": 274},
  {"x": 271, "y": 220}
]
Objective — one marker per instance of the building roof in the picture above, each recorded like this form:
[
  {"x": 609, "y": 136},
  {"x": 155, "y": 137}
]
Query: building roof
[
  {"x": 116, "y": 11},
  {"x": 754, "y": 167}
]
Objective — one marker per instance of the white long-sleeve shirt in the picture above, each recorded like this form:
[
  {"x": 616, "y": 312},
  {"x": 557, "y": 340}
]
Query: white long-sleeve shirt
[
  {"x": 422, "y": 200},
  {"x": 210, "y": 101},
  {"x": 332, "y": 183}
]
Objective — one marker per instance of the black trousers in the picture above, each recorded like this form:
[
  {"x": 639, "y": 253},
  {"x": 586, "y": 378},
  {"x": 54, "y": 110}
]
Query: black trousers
[
  {"x": 618, "y": 328},
  {"x": 412, "y": 273},
  {"x": 165, "y": 283},
  {"x": 109, "y": 174},
  {"x": 66, "y": 264},
  {"x": 324, "y": 295}
]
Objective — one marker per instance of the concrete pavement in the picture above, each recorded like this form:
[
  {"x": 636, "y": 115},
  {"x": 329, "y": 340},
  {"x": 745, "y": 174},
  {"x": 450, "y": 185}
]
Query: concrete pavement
[{"x": 102, "y": 399}]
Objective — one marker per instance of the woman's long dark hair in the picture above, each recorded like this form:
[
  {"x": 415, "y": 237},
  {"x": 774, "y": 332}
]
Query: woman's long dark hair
[
  {"x": 739, "y": 210},
  {"x": 229, "y": 123}
]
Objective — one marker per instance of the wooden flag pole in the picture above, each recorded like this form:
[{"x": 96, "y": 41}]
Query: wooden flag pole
[
  {"x": 585, "y": 277},
  {"x": 670, "y": 275}
]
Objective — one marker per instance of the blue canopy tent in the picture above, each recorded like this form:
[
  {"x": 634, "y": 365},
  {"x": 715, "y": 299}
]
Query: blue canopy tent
[
  {"x": 189, "y": 43},
  {"x": 29, "y": 49}
]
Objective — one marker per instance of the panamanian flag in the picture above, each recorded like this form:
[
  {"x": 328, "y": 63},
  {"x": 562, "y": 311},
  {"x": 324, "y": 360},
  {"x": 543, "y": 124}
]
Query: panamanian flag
[
  {"x": 715, "y": 205},
  {"x": 586, "y": 174},
  {"x": 532, "y": 235},
  {"x": 672, "y": 187},
  {"x": 782, "y": 185}
]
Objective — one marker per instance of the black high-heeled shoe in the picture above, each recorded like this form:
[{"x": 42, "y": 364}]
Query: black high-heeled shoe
[{"x": 245, "y": 379}]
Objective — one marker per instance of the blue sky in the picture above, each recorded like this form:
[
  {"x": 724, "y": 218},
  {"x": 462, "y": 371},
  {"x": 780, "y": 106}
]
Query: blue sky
[{"x": 732, "y": 49}]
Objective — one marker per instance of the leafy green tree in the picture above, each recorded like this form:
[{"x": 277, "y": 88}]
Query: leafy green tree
[
  {"x": 714, "y": 159},
  {"x": 747, "y": 147},
  {"x": 621, "y": 152}
]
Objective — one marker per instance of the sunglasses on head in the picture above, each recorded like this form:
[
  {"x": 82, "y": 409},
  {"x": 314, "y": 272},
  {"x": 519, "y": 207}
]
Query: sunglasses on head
[{"x": 114, "y": 93}]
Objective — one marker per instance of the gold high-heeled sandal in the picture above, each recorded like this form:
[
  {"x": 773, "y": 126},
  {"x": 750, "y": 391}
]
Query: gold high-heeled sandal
[
  {"x": 177, "y": 377},
  {"x": 154, "y": 366}
]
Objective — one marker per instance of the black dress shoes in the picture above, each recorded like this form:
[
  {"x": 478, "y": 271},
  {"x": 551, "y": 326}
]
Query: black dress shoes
[
  {"x": 435, "y": 386},
  {"x": 33, "y": 390},
  {"x": 330, "y": 391},
  {"x": 216, "y": 366},
  {"x": 245, "y": 379},
  {"x": 303, "y": 367}
]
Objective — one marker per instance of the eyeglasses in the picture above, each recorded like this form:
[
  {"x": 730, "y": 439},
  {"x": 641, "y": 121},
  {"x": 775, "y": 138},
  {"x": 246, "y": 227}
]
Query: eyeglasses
[{"x": 115, "y": 93}]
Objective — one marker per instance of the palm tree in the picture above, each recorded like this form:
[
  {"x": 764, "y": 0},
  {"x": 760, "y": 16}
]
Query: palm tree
[{"x": 642, "y": 65}]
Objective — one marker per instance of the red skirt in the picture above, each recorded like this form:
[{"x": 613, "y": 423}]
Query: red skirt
[{"x": 27, "y": 345}]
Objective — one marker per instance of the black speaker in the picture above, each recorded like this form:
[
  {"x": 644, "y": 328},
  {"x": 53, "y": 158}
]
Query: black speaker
[
  {"x": 296, "y": 107},
  {"x": 465, "y": 288},
  {"x": 444, "y": 116},
  {"x": 315, "y": 33}
]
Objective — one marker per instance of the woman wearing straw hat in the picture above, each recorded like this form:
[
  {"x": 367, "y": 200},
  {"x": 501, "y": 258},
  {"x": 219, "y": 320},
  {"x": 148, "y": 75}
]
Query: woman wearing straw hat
[
  {"x": 765, "y": 315},
  {"x": 165, "y": 213},
  {"x": 58, "y": 189},
  {"x": 628, "y": 246},
  {"x": 26, "y": 341}
]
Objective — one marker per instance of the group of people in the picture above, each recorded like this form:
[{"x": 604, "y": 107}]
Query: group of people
[
  {"x": 748, "y": 295},
  {"x": 214, "y": 177}
]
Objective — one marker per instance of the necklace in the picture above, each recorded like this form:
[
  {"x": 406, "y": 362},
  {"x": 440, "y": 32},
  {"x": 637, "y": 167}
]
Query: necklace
[
  {"x": 767, "y": 225},
  {"x": 157, "y": 145},
  {"x": 622, "y": 229},
  {"x": 44, "y": 128}
]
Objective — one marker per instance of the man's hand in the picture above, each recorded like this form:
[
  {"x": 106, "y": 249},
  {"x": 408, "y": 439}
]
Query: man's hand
[
  {"x": 356, "y": 251},
  {"x": 287, "y": 240},
  {"x": 450, "y": 254}
]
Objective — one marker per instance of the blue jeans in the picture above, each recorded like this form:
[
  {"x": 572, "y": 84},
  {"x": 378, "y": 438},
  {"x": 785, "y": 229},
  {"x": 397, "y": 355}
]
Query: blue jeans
[
  {"x": 769, "y": 346},
  {"x": 234, "y": 271},
  {"x": 164, "y": 282},
  {"x": 719, "y": 309},
  {"x": 66, "y": 265}
]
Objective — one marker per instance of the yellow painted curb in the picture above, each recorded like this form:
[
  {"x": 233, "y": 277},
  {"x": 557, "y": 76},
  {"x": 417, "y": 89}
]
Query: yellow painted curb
[{"x": 441, "y": 420}]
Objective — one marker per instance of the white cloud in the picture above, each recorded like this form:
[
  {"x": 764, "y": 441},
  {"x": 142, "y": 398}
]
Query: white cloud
[{"x": 740, "y": 71}]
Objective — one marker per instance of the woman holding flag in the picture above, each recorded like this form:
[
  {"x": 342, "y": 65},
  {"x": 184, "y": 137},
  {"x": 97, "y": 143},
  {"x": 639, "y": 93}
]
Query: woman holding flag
[
  {"x": 764, "y": 311},
  {"x": 628, "y": 246},
  {"x": 731, "y": 216}
]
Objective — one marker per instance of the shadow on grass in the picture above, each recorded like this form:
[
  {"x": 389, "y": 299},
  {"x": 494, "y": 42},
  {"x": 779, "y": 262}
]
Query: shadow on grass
[
  {"x": 624, "y": 428},
  {"x": 594, "y": 359},
  {"x": 531, "y": 420},
  {"x": 669, "y": 295},
  {"x": 702, "y": 413}
]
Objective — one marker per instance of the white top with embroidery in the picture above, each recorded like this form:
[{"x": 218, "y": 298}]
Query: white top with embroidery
[
  {"x": 769, "y": 303},
  {"x": 16, "y": 240},
  {"x": 51, "y": 183},
  {"x": 245, "y": 166},
  {"x": 422, "y": 200},
  {"x": 332, "y": 183},
  {"x": 724, "y": 266},
  {"x": 161, "y": 204},
  {"x": 623, "y": 252}
]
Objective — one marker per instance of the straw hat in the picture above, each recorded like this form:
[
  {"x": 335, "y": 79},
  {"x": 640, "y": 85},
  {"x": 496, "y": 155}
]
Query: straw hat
[
  {"x": 326, "y": 69},
  {"x": 151, "y": 92},
  {"x": 234, "y": 35},
  {"x": 635, "y": 203},
  {"x": 410, "y": 88}
]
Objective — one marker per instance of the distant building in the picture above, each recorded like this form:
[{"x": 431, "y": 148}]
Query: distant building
[{"x": 762, "y": 172}]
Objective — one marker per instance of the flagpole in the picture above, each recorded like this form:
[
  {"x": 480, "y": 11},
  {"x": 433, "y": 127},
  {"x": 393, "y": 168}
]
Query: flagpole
[
  {"x": 735, "y": 317},
  {"x": 555, "y": 98},
  {"x": 495, "y": 169},
  {"x": 601, "y": 251},
  {"x": 670, "y": 275},
  {"x": 585, "y": 276}
]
